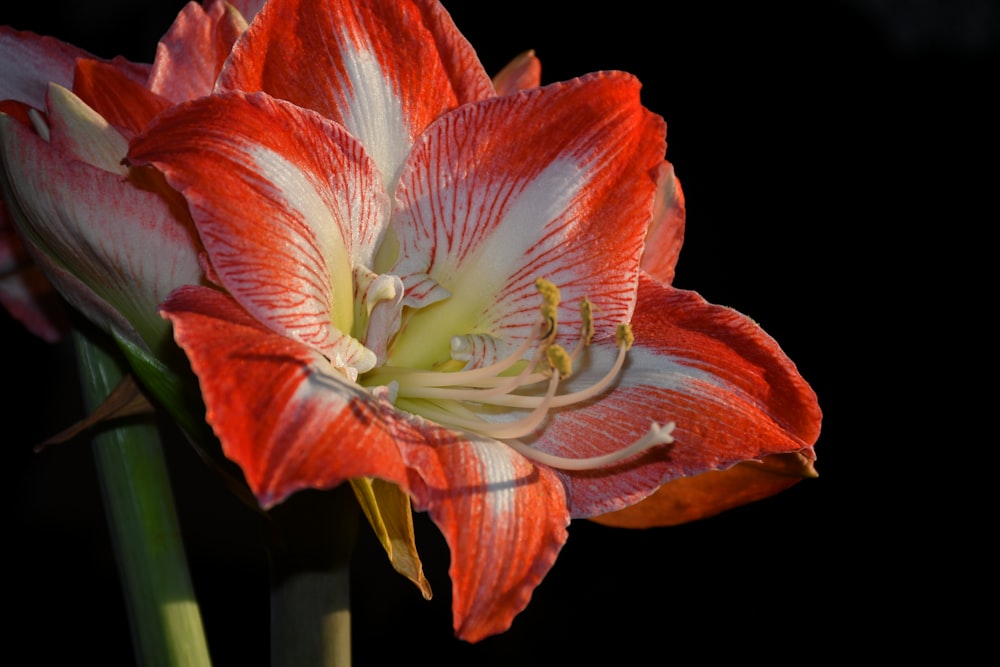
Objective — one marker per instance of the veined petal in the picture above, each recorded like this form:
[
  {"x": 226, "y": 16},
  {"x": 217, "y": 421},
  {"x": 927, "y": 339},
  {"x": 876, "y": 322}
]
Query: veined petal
[
  {"x": 666, "y": 232},
  {"x": 554, "y": 182},
  {"x": 32, "y": 61},
  {"x": 125, "y": 243},
  {"x": 190, "y": 56},
  {"x": 732, "y": 393},
  {"x": 383, "y": 69},
  {"x": 280, "y": 409},
  {"x": 286, "y": 203},
  {"x": 123, "y": 102},
  {"x": 503, "y": 517}
]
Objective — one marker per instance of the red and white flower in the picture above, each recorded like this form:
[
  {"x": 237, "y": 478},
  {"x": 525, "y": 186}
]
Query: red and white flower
[{"x": 419, "y": 280}]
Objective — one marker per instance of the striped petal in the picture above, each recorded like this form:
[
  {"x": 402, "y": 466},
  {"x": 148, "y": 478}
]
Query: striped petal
[
  {"x": 383, "y": 69},
  {"x": 287, "y": 205},
  {"x": 732, "y": 393},
  {"x": 281, "y": 410},
  {"x": 504, "y": 520},
  {"x": 555, "y": 182}
]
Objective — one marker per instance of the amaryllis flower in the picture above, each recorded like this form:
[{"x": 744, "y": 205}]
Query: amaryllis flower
[
  {"x": 420, "y": 281},
  {"x": 113, "y": 242}
]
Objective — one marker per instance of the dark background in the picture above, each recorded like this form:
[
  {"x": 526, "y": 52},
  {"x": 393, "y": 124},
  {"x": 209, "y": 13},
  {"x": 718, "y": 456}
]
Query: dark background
[{"x": 818, "y": 148}]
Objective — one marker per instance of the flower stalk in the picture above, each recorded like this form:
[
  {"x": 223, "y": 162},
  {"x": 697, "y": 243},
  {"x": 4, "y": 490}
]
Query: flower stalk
[
  {"x": 310, "y": 555},
  {"x": 164, "y": 617}
]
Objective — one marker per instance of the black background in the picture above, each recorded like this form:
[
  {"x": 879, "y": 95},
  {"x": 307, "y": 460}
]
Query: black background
[{"x": 818, "y": 148}]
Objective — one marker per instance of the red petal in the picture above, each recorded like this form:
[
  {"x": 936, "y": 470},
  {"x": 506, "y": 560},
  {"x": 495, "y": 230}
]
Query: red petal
[
  {"x": 731, "y": 391},
  {"x": 122, "y": 101},
  {"x": 190, "y": 56},
  {"x": 279, "y": 408},
  {"x": 383, "y": 69},
  {"x": 504, "y": 520},
  {"x": 554, "y": 182}
]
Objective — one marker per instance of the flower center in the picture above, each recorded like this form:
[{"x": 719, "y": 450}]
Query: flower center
[{"x": 511, "y": 398}]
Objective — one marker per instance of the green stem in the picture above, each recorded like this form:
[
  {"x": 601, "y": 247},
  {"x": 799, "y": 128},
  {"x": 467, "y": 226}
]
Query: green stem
[
  {"x": 310, "y": 578},
  {"x": 165, "y": 619}
]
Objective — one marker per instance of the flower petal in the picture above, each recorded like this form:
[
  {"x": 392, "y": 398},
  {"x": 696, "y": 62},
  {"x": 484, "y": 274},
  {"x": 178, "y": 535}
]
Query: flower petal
[
  {"x": 732, "y": 393},
  {"x": 383, "y": 69},
  {"x": 280, "y": 409},
  {"x": 85, "y": 222},
  {"x": 504, "y": 520},
  {"x": 666, "y": 233},
  {"x": 123, "y": 102},
  {"x": 286, "y": 203},
  {"x": 690, "y": 498},
  {"x": 190, "y": 56},
  {"x": 555, "y": 182}
]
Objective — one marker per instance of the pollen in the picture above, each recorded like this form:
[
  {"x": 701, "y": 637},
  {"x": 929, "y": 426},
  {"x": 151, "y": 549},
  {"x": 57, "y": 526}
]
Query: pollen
[
  {"x": 559, "y": 360},
  {"x": 550, "y": 306}
]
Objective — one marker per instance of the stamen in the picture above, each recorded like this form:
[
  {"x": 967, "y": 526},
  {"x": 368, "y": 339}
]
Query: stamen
[
  {"x": 586, "y": 327},
  {"x": 559, "y": 360},
  {"x": 550, "y": 307},
  {"x": 509, "y": 400},
  {"x": 657, "y": 435},
  {"x": 624, "y": 335},
  {"x": 499, "y": 430}
]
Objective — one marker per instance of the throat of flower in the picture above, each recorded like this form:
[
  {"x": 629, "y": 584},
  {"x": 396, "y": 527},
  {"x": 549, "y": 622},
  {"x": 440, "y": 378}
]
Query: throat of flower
[{"x": 517, "y": 391}]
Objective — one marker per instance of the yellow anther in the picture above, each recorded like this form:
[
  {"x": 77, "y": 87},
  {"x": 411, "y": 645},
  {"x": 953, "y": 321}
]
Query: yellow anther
[
  {"x": 550, "y": 306},
  {"x": 559, "y": 359},
  {"x": 623, "y": 336},
  {"x": 586, "y": 321}
]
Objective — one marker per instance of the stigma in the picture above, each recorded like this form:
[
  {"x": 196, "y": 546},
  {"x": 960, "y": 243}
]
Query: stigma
[{"x": 510, "y": 399}]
